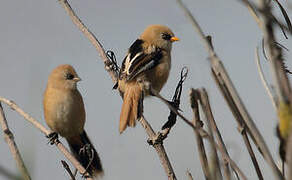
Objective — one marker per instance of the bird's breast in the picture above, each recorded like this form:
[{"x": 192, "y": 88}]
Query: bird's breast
[{"x": 64, "y": 112}]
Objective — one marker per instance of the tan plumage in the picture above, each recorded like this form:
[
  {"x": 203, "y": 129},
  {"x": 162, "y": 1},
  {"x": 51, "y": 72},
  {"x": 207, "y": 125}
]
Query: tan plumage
[
  {"x": 148, "y": 59},
  {"x": 65, "y": 114}
]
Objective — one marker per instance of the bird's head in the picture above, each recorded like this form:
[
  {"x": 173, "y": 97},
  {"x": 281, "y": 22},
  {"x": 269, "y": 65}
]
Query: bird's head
[
  {"x": 64, "y": 77},
  {"x": 159, "y": 36}
]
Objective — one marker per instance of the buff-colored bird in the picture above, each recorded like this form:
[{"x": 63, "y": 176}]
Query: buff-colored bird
[
  {"x": 148, "y": 60},
  {"x": 65, "y": 114}
]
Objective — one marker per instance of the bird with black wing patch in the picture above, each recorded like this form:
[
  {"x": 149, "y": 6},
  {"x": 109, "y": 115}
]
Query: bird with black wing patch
[{"x": 148, "y": 60}]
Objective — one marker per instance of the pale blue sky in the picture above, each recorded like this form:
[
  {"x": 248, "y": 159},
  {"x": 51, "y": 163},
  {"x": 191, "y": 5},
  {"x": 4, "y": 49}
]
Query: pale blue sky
[{"x": 37, "y": 36}]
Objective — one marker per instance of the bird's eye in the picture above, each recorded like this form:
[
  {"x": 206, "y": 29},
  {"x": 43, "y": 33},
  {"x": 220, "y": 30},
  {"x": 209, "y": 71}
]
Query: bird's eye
[
  {"x": 69, "y": 76},
  {"x": 165, "y": 36}
]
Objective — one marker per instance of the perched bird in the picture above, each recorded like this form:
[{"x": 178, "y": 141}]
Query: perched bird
[
  {"x": 65, "y": 114},
  {"x": 148, "y": 60}
]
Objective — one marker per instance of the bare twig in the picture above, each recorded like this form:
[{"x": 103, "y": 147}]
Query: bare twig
[
  {"x": 253, "y": 13},
  {"x": 159, "y": 149},
  {"x": 219, "y": 70},
  {"x": 94, "y": 41},
  {"x": 211, "y": 122},
  {"x": 194, "y": 97},
  {"x": 263, "y": 79},
  {"x": 67, "y": 168},
  {"x": 241, "y": 125},
  {"x": 190, "y": 177},
  {"x": 47, "y": 132},
  {"x": 9, "y": 138}
]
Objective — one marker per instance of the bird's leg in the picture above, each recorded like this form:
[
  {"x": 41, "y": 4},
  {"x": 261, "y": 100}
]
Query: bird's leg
[{"x": 52, "y": 137}]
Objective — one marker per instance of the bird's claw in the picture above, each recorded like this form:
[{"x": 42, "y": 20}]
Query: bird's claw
[
  {"x": 52, "y": 137},
  {"x": 85, "y": 174}
]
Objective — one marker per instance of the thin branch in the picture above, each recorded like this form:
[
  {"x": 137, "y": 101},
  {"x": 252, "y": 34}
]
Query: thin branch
[
  {"x": 109, "y": 66},
  {"x": 158, "y": 146},
  {"x": 263, "y": 79},
  {"x": 253, "y": 13},
  {"x": 67, "y": 168},
  {"x": 241, "y": 125},
  {"x": 9, "y": 138},
  {"x": 194, "y": 96},
  {"x": 219, "y": 70},
  {"x": 190, "y": 177},
  {"x": 47, "y": 132}
]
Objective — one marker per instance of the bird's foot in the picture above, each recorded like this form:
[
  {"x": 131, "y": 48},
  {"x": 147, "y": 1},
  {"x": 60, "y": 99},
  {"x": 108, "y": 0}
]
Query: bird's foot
[
  {"x": 52, "y": 137},
  {"x": 85, "y": 174},
  {"x": 86, "y": 150}
]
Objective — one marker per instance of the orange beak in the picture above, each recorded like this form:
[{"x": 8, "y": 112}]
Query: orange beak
[{"x": 172, "y": 39}]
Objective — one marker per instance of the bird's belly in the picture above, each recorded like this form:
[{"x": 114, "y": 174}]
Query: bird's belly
[
  {"x": 67, "y": 122},
  {"x": 159, "y": 76}
]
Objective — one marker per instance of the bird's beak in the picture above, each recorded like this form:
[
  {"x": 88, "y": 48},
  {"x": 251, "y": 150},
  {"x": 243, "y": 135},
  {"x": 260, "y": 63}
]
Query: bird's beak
[
  {"x": 76, "y": 79},
  {"x": 172, "y": 39}
]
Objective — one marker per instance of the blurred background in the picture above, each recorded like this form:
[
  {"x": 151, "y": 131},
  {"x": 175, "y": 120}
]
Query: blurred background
[{"x": 37, "y": 36}]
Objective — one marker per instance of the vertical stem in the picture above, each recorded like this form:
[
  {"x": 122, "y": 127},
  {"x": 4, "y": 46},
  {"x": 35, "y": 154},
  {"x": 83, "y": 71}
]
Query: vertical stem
[
  {"x": 198, "y": 123},
  {"x": 159, "y": 149}
]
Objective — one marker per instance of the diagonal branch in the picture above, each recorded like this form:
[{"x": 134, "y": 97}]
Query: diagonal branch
[
  {"x": 109, "y": 66},
  {"x": 47, "y": 132},
  {"x": 9, "y": 138}
]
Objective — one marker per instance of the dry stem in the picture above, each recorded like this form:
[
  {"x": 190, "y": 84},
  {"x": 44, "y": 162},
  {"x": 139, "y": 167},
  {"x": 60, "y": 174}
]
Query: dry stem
[
  {"x": 200, "y": 144},
  {"x": 263, "y": 79},
  {"x": 9, "y": 138}
]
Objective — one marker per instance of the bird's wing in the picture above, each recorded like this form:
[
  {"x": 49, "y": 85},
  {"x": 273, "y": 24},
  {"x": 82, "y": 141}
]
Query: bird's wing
[{"x": 138, "y": 61}]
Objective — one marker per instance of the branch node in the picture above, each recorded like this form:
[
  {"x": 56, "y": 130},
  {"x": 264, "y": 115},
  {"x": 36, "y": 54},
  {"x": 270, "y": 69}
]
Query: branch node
[{"x": 8, "y": 133}]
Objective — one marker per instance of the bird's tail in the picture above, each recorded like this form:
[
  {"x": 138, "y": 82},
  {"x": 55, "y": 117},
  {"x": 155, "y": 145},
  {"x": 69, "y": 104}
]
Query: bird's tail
[
  {"x": 131, "y": 106},
  {"x": 86, "y": 154}
]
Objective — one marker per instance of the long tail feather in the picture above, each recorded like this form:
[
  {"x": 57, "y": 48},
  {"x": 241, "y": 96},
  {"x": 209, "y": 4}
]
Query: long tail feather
[
  {"x": 86, "y": 154},
  {"x": 130, "y": 108}
]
